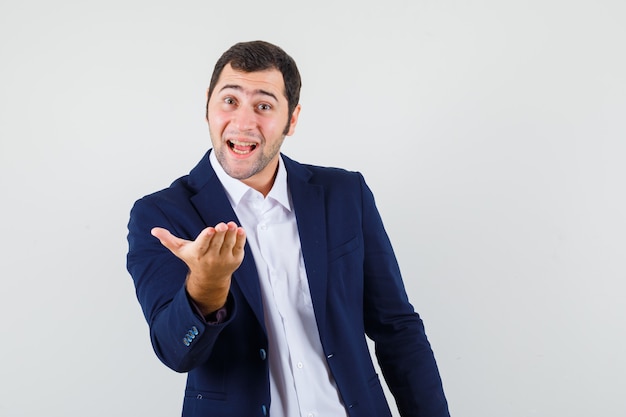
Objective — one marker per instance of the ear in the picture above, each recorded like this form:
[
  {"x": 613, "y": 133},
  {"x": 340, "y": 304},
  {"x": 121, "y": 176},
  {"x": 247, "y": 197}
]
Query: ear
[
  {"x": 294, "y": 120},
  {"x": 206, "y": 111}
]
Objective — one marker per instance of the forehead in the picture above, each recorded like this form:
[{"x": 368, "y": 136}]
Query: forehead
[{"x": 256, "y": 82}]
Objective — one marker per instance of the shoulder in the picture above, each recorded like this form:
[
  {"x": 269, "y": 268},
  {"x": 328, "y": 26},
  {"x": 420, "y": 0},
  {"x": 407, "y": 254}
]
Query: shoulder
[
  {"x": 322, "y": 175},
  {"x": 163, "y": 208},
  {"x": 177, "y": 191},
  {"x": 184, "y": 187}
]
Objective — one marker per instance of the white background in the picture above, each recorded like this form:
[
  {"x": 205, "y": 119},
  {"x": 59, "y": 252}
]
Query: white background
[{"x": 491, "y": 132}]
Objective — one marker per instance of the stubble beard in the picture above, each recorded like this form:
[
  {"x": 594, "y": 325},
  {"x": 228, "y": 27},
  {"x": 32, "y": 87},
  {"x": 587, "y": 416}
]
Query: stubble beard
[{"x": 244, "y": 169}]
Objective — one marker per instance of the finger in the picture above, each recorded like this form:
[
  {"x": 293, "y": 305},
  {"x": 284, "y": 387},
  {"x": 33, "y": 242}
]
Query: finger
[
  {"x": 230, "y": 237},
  {"x": 168, "y": 240},
  {"x": 218, "y": 238},
  {"x": 240, "y": 241},
  {"x": 203, "y": 240},
  {"x": 222, "y": 227}
]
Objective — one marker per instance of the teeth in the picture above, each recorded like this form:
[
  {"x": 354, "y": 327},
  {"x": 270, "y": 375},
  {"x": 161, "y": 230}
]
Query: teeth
[
  {"x": 238, "y": 143},
  {"x": 235, "y": 145}
]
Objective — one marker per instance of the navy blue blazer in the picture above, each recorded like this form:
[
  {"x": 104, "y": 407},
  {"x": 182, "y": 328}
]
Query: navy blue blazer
[{"x": 355, "y": 284}]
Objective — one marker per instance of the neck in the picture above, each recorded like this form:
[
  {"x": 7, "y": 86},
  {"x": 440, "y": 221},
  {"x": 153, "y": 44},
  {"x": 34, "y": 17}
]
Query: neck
[{"x": 263, "y": 181}]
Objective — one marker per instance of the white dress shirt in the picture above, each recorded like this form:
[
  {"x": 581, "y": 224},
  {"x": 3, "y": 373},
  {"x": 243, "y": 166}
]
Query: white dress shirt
[{"x": 300, "y": 381}]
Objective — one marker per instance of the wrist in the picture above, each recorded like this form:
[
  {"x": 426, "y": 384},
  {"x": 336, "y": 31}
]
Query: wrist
[{"x": 208, "y": 298}]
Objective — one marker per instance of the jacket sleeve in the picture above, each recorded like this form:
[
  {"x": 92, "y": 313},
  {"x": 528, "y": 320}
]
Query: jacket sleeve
[
  {"x": 402, "y": 349},
  {"x": 180, "y": 337}
]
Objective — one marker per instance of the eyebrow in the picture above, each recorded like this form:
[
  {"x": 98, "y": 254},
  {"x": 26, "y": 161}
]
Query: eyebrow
[{"x": 259, "y": 91}]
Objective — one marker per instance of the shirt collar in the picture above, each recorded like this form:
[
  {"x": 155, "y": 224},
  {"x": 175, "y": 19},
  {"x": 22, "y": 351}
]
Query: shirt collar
[{"x": 236, "y": 190}]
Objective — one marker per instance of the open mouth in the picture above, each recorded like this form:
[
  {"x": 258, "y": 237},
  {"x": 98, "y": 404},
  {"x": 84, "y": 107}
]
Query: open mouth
[{"x": 241, "y": 148}]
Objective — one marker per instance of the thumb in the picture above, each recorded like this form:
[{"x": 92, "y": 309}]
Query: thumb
[{"x": 167, "y": 239}]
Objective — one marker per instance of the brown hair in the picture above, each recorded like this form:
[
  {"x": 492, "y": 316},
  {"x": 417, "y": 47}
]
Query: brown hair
[{"x": 259, "y": 56}]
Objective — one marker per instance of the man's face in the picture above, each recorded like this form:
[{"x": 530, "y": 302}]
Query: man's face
[{"x": 247, "y": 114}]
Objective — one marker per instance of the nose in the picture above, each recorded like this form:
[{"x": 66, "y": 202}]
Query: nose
[{"x": 245, "y": 118}]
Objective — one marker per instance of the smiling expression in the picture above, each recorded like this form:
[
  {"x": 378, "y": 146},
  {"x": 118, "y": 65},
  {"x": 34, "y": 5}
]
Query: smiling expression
[{"x": 248, "y": 121}]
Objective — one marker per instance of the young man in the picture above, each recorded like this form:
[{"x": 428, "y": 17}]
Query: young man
[{"x": 260, "y": 276}]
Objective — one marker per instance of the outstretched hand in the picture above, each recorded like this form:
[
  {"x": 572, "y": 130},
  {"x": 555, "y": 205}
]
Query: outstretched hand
[{"x": 211, "y": 258}]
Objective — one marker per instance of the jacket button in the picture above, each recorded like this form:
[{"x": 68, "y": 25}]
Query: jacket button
[
  {"x": 263, "y": 354},
  {"x": 186, "y": 341},
  {"x": 264, "y": 409}
]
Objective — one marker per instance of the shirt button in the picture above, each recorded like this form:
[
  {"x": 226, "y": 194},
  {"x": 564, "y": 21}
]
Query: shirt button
[
  {"x": 263, "y": 226},
  {"x": 300, "y": 365}
]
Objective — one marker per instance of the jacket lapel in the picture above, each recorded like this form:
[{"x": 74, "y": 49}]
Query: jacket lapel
[
  {"x": 309, "y": 206},
  {"x": 211, "y": 203}
]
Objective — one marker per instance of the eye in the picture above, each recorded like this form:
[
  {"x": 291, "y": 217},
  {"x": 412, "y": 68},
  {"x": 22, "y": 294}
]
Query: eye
[
  {"x": 264, "y": 106},
  {"x": 229, "y": 100}
]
